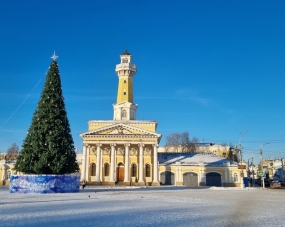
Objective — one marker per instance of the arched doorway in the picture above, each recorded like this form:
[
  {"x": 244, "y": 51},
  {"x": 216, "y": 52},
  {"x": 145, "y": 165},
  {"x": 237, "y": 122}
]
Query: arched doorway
[
  {"x": 190, "y": 179},
  {"x": 167, "y": 178},
  {"x": 120, "y": 172},
  {"x": 213, "y": 179}
]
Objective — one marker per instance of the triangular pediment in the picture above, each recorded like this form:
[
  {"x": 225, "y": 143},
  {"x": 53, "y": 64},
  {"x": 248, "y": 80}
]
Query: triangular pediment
[{"x": 119, "y": 129}]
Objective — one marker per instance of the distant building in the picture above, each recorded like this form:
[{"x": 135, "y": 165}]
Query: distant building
[
  {"x": 6, "y": 170},
  {"x": 219, "y": 150},
  {"x": 274, "y": 169}
]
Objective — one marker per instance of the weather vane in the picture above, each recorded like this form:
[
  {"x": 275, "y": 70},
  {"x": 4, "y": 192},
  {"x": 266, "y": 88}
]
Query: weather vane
[{"x": 54, "y": 57}]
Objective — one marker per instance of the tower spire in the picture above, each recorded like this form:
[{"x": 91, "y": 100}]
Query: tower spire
[{"x": 125, "y": 108}]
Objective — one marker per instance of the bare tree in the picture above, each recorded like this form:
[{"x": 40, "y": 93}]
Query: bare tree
[
  {"x": 12, "y": 152},
  {"x": 181, "y": 142}
]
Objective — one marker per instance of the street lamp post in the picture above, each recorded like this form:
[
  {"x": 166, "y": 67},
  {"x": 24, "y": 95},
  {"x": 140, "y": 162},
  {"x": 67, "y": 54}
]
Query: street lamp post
[
  {"x": 261, "y": 162},
  {"x": 282, "y": 159},
  {"x": 248, "y": 172},
  {"x": 240, "y": 149},
  {"x": 240, "y": 146},
  {"x": 252, "y": 169}
]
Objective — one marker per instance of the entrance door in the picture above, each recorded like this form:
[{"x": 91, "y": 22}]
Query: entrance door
[
  {"x": 190, "y": 179},
  {"x": 167, "y": 178},
  {"x": 213, "y": 179},
  {"x": 121, "y": 172}
]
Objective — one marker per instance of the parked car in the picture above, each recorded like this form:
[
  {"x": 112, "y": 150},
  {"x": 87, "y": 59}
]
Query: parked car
[
  {"x": 275, "y": 184},
  {"x": 259, "y": 181}
]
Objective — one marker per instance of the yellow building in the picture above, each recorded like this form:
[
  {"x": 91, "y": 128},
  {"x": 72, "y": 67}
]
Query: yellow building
[
  {"x": 6, "y": 170},
  {"x": 122, "y": 150}
]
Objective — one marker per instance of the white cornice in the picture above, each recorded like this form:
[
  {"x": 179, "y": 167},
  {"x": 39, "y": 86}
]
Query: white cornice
[
  {"x": 122, "y": 121},
  {"x": 96, "y": 133}
]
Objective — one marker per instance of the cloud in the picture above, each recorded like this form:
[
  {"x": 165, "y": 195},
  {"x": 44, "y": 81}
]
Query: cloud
[
  {"x": 186, "y": 94},
  {"x": 192, "y": 95},
  {"x": 12, "y": 131}
]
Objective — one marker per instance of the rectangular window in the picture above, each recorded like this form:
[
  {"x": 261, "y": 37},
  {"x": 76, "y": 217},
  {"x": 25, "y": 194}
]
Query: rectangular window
[
  {"x": 147, "y": 170},
  {"x": 134, "y": 170},
  {"x": 125, "y": 93},
  {"x": 125, "y": 81},
  {"x": 107, "y": 169}
]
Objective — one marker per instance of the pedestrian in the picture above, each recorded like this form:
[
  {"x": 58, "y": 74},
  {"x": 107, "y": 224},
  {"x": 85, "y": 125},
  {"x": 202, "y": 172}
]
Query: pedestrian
[{"x": 83, "y": 184}]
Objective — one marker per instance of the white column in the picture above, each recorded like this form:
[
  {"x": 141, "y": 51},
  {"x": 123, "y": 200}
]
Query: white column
[
  {"x": 83, "y": 172},
  {"x": 127, "y": 163},
  {"x": 176, "y": 176},
  {"x": 202, "y": 172},
  {"x": 141, "y": 163},
  {"x": 1, "y": 179},
  {"x": 87, "y": 163},
  {"x": 98, "y": 163},
  {"x": 155, "y": 164},
  {"x": 200, "y": 175},
  {"x": 113, "y": 163},
  {"x": 226, "y": 174},
  {"x": 2, "y": 171}
]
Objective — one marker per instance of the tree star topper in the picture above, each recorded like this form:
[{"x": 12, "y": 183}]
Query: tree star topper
[{"x": 54, "y": 57}]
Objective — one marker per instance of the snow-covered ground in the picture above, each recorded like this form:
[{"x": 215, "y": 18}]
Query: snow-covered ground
[{"x": 162, "y": 206}]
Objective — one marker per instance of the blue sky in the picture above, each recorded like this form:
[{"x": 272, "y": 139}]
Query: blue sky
[{"x": 212, "y": 68}]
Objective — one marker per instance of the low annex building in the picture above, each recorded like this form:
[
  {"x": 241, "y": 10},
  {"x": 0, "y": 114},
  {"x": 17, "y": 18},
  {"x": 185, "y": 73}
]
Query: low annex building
[
  {"x": 198, "y": 169},
  {"x": 122, "y": 150}
]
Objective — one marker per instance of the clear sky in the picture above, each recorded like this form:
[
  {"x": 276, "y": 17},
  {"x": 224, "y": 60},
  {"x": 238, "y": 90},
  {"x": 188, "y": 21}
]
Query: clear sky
[{"x": 212, "y": 68}]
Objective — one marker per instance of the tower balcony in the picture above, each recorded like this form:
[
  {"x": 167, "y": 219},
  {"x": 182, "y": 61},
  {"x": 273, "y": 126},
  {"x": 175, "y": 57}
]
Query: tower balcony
[{"x": 126, "y": 66}]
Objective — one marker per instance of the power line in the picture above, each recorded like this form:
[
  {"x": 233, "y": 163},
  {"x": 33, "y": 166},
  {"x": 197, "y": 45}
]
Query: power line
[{"x": 21, "y": 103}]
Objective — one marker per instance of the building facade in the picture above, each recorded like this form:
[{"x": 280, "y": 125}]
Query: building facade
[
  {"x": 122, "y": 150},
  {"x": 6, "y": 170}
]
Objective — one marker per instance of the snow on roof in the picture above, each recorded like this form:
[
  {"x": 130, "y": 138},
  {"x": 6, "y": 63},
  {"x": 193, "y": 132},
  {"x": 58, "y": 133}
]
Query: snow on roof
[{"x": 192, "y": 158}]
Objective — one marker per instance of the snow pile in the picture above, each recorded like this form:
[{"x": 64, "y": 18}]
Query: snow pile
[
  {"x": 191, "y": 158},
  {"x": 231, "y": 188}
]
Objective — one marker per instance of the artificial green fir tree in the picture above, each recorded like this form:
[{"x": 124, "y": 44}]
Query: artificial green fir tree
[{"x": 48, "y": 147}]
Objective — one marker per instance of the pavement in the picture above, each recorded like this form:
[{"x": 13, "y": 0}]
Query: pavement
[{"x": 145, "y": 206}]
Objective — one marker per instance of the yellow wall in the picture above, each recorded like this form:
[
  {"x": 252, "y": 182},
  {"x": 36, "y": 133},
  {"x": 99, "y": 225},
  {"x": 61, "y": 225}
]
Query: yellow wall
[
  {"x": 125, "y": 84},
  {"x": 148, "y": 126}
]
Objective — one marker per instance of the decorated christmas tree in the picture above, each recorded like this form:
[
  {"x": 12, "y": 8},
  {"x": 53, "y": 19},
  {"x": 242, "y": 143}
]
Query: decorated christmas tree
[{"x": 48, "y": 147}]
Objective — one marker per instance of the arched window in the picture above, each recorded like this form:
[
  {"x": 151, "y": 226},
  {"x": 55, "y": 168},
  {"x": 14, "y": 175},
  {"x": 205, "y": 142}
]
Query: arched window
[
  {"x": 107, "y": 169},
  {"x": 134, "y": 170},
  {"x": 147, "y": 170},
  {"x": 93, "y": 169},
  {"x": 8, "y": 175},
  {"x": 124, "y": 113},
  {"x": 235, "y": 177}
]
